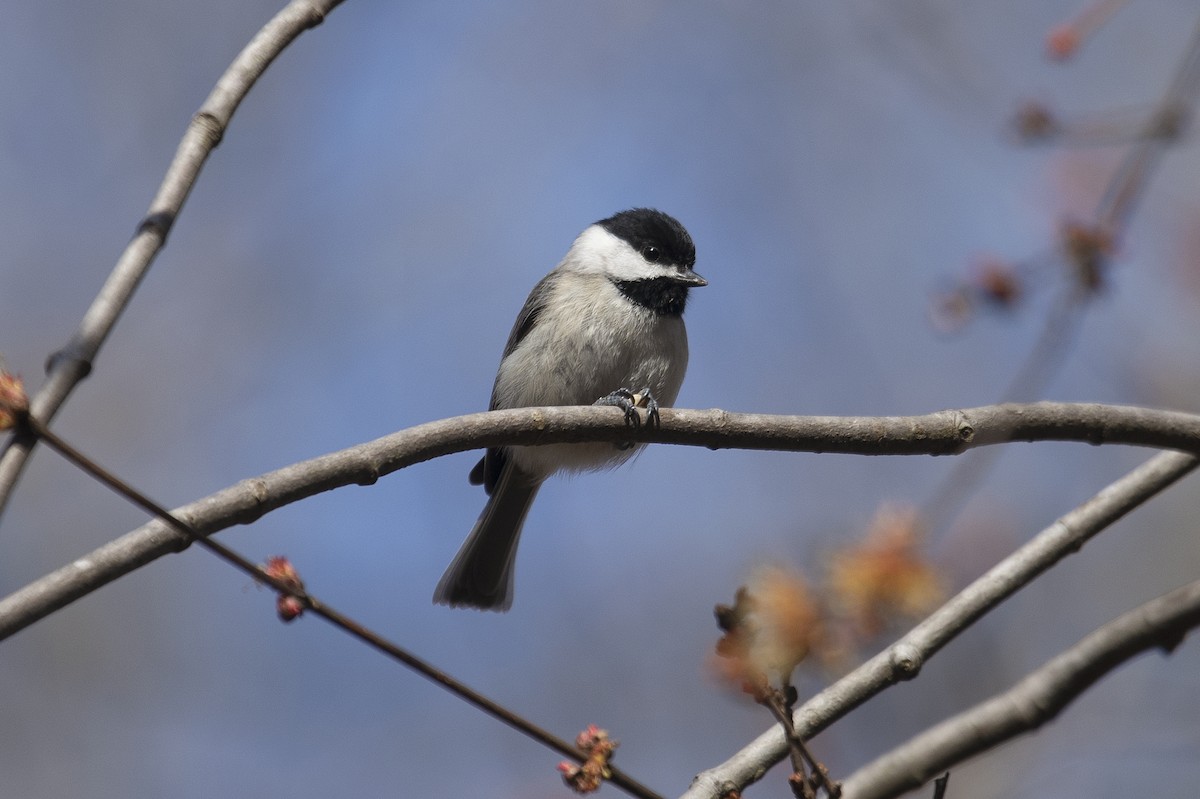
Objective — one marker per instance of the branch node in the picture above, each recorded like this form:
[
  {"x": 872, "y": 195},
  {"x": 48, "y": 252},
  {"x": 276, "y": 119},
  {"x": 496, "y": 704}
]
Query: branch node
[
  {"x": 210, "y": 128},
  {"x": 158, "y": 223},
  {"x": 1171, "y": 639},
  {"x": 71, "y": 356},
  {"x": 966, "y": 432},
  {"x": 720, "y": 424},
  {"x": 370, "y": 474},
  {"x": 315, "y": 17},
  {"x": 259, "y": 495},
  {"x": 906, "y": 661}
]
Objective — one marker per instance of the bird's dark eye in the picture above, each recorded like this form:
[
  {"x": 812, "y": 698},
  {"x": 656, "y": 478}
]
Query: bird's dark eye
[{"x": 652, "y": 254}]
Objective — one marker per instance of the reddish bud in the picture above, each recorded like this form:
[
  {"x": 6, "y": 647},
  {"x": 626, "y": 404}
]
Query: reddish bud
[
  {"x": 1034, "y": 122},
  {"x": 280, "y": 568},
  {"x": 999, "y": 283},
  {"x": 590, "y": 775},
  {"x": 1062, "y": 42},
  {"x": 1088, "y": 250},
  {"x": 290, "y": 604},
  {"x": 949, "y": 311},
  {"x": 288, "y": 607}
]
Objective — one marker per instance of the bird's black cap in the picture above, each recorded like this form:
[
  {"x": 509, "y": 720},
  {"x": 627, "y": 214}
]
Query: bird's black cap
[{"x": 646, "y": 228}]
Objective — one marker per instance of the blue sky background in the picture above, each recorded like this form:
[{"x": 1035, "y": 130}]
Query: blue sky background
[{"x": 350, "y": 264}]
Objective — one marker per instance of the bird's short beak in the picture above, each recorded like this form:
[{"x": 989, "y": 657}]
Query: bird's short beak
[{"x": 691, "y": 279}]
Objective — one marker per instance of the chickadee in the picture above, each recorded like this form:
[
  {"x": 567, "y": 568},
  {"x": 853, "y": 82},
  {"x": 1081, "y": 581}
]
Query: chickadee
[{"x": 606, "y": 322}]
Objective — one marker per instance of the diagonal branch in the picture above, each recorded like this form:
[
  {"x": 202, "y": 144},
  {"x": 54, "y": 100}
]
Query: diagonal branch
[
  {"x": 67, "y": 367},
  {"x": 289, "y": 585},
  {"x": 1036, "y": 699},
  {"x": 945, "y": 432},
  {"x": 904, "y": 659}
]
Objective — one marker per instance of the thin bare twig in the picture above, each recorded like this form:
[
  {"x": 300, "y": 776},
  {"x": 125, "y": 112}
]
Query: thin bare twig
[
  {"x": 71, "y": 364},
  {"x": 1039, "y": 697},
  {"x": 904, "y": 659},
  {"x": 337, "y": 619},
  {"x": 780, "y": 702}
]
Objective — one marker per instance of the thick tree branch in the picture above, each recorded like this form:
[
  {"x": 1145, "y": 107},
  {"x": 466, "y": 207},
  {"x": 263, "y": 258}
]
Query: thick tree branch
[
  {"x": 1160, "y": 623},
  {"x": 904, "y": 659},
  {"x": 944, "y": 432},
  {"x": 67, "y": 367}
]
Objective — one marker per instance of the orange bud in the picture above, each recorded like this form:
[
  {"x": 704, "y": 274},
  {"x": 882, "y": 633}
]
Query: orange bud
[
  {"x": 14, "y": 404},
  {"x": 885, "y": 577}
]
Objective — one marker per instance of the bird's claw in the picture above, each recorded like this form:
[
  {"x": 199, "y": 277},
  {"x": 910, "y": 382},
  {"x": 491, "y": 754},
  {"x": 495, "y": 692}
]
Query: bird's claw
[
  {"x": 629, "y": 401},
  {"x": 651, "y": 406}
]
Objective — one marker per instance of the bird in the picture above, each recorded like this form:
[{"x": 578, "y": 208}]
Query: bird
[{"x": 604, "y": 327}]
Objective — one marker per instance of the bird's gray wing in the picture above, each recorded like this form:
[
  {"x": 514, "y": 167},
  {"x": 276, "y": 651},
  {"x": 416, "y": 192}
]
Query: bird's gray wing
[
  {"x": 527, "y": 319},
  {"x": 487, "y": 471}
]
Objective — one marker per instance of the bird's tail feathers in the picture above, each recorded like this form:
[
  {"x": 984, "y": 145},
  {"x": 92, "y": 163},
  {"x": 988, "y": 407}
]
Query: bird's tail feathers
[{"x": 481, "y": 574}]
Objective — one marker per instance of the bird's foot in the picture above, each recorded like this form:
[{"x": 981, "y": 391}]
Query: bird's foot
[{"x": 629, "y": 401}]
